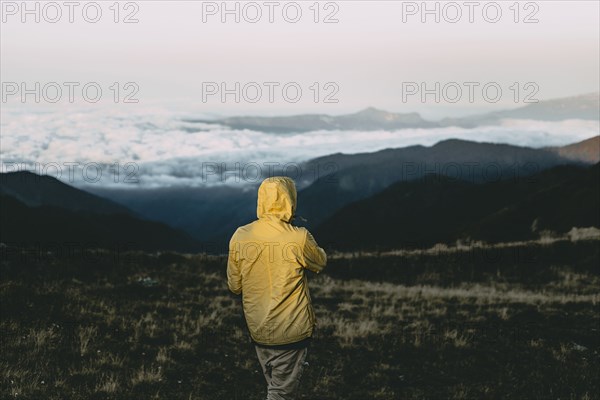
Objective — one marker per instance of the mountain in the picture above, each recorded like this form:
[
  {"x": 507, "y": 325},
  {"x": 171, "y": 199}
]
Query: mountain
[
  {"x": 36, "y": 190},
  {"x": 211, "y": 214},
  {"x": 587, "y": 151},
  {"x": 439, "y": 209},
  {"x": 368, "y": 119},
  {"x": 585, "y": 106},
  {"x": 204, "y": 212},
  {"x": 359, "y": 176},
  {"x": 576, "y": 107},
  {"x": 39, "y": 210}
]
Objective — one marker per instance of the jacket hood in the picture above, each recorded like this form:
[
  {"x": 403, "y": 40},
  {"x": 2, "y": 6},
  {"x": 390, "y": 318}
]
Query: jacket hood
[{"x": 277, "y": 197}]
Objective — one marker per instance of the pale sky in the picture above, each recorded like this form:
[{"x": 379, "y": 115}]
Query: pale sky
[{"x": 368, "y": 54}]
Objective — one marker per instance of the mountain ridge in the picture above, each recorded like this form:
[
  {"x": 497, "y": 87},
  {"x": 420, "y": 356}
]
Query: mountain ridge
[
  {"x": 212, "y": 214},
  {"x": 37, "y": 209},
  {"x": 584, "y": 106},
  {"x": 44, "y": 190},
  {"x": 437, "y": 209}
]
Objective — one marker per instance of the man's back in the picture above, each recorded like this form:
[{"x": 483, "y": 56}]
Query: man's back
[{"x": 266, "y": 265}]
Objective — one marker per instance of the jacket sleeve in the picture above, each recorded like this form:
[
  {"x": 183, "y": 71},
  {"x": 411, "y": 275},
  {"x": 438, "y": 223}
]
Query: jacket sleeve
[
  {"x": 234, "y": 276},
  {"x": 314, "y": 257}
]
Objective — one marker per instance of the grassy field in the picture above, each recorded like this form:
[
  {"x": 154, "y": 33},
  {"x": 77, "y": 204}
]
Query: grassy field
[{"x": 519, "y": 322}]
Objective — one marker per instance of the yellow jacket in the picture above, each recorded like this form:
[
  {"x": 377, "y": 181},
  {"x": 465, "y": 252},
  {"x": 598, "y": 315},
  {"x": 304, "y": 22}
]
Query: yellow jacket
[{"x": 266, "y": 265}]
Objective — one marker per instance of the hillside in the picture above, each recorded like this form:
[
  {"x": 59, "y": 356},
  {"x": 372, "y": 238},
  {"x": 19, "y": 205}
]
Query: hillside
[
  {"x": 438, "y": 209},
  {"x": 213, "y": 213},
  {"x": 587, "y": 151},
  {"x": 41, "y": 211},
  {"x": 36, "y": 190},
  {"x": 359, "y": 176},
  {"x": 205, "y": 213}
]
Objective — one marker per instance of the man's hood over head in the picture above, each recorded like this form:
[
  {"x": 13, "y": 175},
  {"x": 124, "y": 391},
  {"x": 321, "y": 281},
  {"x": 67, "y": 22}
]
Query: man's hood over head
[{"x": 277, "y": 197}]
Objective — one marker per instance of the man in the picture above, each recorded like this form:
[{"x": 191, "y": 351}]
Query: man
[{"x": 266, "y": 265}]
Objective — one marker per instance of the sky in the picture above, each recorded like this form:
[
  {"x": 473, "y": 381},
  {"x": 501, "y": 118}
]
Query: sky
[
  {"x": 113, "y": 83},
  {"x": 178, "y": 51}
]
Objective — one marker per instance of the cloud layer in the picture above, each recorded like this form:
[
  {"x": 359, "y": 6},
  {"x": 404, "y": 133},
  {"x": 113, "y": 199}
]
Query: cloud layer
[{"x": 154, "y": 147}]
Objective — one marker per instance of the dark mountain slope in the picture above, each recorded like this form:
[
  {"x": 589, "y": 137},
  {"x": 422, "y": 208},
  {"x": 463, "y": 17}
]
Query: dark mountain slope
[
  {"x": 362, "y": 175},
  {"x": 437, "y": 209},
  {"x": 49, "y": 225},
  {"x": 205, "y": 213},
  {"x": 43, "y": 190},
  {"x": 41, "y": 209},
  {"x": 213, "y": 213}
]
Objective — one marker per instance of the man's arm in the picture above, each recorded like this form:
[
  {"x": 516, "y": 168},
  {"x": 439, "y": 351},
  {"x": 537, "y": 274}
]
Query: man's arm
[
  {"x": 315, "y": 258},
  {"x": 234, "y": 276}
]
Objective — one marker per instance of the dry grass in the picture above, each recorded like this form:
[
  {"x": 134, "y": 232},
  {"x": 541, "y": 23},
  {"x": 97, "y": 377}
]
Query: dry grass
[{"x": 78, "y": 335}]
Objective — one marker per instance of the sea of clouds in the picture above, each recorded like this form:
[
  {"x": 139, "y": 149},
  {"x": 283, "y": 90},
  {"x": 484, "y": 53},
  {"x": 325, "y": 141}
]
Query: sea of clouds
[{"x": 156, "y": 147}]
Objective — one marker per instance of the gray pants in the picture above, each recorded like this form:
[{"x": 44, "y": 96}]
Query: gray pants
[{"x": 282, "y": 369}]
